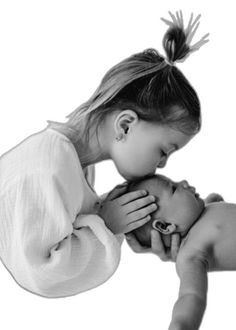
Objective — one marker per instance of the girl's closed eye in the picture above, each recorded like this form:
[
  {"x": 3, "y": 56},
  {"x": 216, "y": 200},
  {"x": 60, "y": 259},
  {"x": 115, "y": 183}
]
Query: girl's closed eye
[{"x": 163, "y": 153}]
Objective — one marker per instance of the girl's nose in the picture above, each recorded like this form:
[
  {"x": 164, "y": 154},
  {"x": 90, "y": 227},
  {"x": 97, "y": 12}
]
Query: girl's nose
[{"x": 162, "y": 163}]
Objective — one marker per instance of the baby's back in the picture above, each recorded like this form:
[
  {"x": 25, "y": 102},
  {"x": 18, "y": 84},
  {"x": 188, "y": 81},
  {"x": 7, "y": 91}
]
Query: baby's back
[{"x": 214, "y": 237}]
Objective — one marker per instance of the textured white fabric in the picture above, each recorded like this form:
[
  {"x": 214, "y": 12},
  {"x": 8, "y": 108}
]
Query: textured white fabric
[{"x": 51, "y": 240}]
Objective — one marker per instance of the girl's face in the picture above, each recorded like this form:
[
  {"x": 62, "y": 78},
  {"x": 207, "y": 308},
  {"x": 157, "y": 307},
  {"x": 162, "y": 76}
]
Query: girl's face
[{"x": 145, "y": 147}]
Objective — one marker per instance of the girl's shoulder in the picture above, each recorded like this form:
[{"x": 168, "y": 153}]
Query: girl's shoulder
[{"x": 46, "y": 151}]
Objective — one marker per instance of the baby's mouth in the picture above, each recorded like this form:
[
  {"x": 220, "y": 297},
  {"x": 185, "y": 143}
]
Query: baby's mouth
[{"x": 193, "y": 191}]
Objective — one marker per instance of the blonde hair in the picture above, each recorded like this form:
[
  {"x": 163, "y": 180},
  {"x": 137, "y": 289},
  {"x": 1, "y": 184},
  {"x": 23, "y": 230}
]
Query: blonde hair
[{"x": 146, "y": 83}]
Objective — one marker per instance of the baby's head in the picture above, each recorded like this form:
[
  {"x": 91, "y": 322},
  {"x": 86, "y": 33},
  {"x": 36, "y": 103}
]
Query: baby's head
[{"x": 179, "y": 207}]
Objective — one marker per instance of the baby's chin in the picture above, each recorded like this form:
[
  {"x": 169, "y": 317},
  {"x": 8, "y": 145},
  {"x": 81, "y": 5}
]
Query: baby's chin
[
  {"x": 201, "y": 204},
  {"x": 196, "y": 199}
]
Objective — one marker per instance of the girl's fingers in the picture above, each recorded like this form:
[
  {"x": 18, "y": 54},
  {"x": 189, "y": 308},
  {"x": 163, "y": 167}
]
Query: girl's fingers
[
  {"x": 135, "y": 245},
  {"x": 139, "y": 203},
  {"x": 138, "y": 223},
  {"x": 158, "y": 247},
  {"x": 142, "y": 213},
  {"x": 130, "y": 196}
]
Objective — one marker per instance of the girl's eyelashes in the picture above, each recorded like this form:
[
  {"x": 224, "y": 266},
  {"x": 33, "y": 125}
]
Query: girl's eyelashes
[{"x": 163, "y": 153}]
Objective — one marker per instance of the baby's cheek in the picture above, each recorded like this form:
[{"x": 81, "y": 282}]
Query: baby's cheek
[{"x": 143, "y": 234}]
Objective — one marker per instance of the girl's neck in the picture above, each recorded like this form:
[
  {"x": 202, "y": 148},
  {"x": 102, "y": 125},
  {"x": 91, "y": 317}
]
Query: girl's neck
[{"x": 89, "y": 150}]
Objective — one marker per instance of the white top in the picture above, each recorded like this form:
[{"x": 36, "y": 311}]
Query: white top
[{"x": 51, "y": 240}]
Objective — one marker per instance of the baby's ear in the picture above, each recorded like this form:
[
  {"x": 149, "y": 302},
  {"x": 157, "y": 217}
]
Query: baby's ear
[{"x": 164, "y": 227}]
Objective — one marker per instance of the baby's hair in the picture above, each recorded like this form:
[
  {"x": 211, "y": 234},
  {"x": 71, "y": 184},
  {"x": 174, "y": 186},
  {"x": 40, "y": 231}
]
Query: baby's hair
[{"x": 146, "y": 83}]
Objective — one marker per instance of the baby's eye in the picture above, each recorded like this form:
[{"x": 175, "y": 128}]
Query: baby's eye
[{"x": 173, "y": 189}]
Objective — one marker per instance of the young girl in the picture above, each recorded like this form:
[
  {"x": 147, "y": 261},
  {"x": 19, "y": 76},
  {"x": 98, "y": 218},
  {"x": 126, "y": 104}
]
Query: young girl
[{"x": 55, "y": 240}]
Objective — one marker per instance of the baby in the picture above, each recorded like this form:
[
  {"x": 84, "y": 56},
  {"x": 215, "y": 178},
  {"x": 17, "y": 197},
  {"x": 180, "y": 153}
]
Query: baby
[{"x": 208, "y": 241}]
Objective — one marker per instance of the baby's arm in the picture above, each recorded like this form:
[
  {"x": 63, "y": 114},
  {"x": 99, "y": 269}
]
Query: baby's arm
[{"x": 190, "y": 306}]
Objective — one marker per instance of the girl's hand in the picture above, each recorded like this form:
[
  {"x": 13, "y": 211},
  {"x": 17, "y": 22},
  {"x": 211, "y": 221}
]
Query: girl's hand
[
  {"x": 157, "y": 246},
  {"x": 123, "y": 212}
]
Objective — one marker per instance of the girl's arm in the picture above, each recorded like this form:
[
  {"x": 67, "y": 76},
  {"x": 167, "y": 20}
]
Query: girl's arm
[
  {"x": 191, "y": 304},
  {"x": 55, "y": 251},
  {"x": 56, "y": 246}
]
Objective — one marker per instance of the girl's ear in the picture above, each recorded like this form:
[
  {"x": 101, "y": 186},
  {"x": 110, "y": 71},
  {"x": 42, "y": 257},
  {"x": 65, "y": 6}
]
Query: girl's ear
[
  {"x": 164, "y": 227},
  {"x": 124, "y": 121}
]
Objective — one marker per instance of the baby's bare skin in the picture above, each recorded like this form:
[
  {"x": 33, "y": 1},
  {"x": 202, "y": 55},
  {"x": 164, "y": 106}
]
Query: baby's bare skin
[
  {"x": 210, "y": 245},
  {"x": 213, "y": 237},
  {"x": 208, "y": 240}
]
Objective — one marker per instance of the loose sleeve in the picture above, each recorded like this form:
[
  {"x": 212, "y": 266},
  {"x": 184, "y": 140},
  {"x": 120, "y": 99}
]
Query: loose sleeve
[{"x": 55, "y": 250}]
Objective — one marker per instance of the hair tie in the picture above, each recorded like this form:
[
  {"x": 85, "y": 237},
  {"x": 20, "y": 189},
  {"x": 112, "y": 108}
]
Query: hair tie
[{"x": 169, "y": 62}]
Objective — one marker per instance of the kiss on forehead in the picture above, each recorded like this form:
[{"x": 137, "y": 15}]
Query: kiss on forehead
[{"x": 179, "y": 207}]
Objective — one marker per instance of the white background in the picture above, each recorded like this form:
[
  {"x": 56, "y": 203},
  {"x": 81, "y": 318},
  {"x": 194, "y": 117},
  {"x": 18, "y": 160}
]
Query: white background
[{"x": 53, "y": 55}]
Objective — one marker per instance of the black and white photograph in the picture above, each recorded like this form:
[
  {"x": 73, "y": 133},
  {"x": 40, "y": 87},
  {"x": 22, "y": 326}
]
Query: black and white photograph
[{"x": 117, "y": 165}]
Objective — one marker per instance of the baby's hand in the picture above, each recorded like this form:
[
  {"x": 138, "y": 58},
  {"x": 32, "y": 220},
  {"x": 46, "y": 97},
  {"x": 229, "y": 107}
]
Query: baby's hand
[
  {"x": 213, "y": 197},
  {"x": 157, "y": 246},
  {"x": 123, "y": 212}
]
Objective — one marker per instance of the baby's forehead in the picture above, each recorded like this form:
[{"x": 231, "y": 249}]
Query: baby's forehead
[{"x": 154, "y": 184}]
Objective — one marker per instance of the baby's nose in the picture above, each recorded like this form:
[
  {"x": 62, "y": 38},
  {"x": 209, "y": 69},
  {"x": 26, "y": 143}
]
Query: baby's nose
[{"x": 184, "y": 183}]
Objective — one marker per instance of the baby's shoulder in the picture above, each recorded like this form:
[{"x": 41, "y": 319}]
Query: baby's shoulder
[{"x": 201, "y": 238}]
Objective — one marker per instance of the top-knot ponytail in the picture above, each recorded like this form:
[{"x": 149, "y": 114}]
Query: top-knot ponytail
[
  {"x": 177, "y": 39},
  {"x": 174, "y": 44},
  {"x": 146, "y": 83}
]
